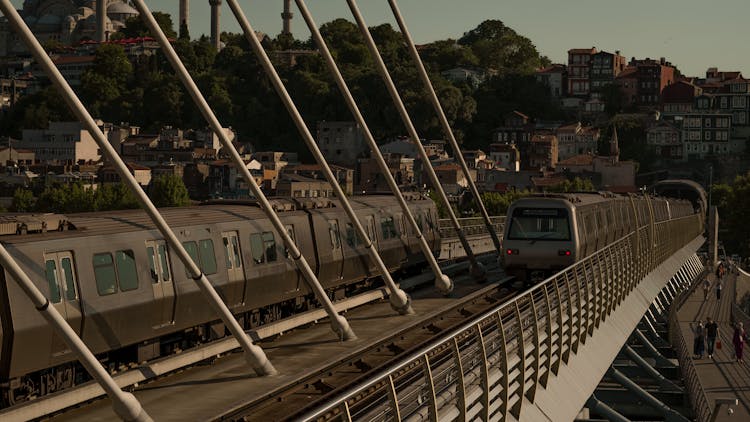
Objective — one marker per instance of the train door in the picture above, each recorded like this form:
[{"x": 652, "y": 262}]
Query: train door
[
  {"x": 372, "y": 233},
  {"x": 291, "y": 267},
  {"x": 162, "y": 282},
  {"x": 235, "y": 272},
  {"x": 63, "y": 287},
  {"x": 337, "y": 254}
]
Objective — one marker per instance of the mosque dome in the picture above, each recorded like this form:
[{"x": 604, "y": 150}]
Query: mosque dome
[
  {"x": 121, "y": 8},
  {"x": 49, "y": 19}
]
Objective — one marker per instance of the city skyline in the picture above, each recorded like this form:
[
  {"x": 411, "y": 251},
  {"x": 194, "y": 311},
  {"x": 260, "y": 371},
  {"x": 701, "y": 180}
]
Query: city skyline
[{"x": 690, "y": 36}]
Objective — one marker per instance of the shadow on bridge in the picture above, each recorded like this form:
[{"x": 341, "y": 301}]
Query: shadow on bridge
[{"x": 721, "y": 377}]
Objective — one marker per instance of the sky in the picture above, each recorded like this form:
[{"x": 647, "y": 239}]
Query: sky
[{"x": 692, "y": 34}]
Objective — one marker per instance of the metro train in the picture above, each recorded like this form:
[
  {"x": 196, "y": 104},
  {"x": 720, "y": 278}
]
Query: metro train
[
  {"x": 546, "y": 233},
  {"x": 112, "y": 277}
]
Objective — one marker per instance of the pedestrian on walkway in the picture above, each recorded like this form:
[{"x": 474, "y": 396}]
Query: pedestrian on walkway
[
  {"x": 718, "y": 289},
  {"x": 699, "y": 336},
  {"x": 739, "y": 339},
  {"x": 706, "y": 288},
  {"x": 719, "y": 270},
  {"x": 712, "y": 331}
]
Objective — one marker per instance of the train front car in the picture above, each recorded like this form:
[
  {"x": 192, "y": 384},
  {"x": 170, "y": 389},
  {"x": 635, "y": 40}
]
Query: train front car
[{"x": 539, "y": 238}]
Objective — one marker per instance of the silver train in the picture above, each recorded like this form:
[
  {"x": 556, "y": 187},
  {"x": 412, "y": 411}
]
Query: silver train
[
  {"x": 113, "y": 278},
  {"x": 546, "y": 233}
]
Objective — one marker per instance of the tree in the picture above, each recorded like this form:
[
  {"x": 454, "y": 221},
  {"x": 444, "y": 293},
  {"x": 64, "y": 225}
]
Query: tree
[
  {"x": 575, "y": 185},
  {"x": 168, "y": 191},
  {"x": 23, "y": 201},
  {"x": 500, "y": 48},
  {"x": 106, "y": 81},
  {"x": 135, "y": 27}
]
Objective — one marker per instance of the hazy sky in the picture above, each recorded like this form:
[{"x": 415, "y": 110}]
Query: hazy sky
[{"x": 692, "y": 34}]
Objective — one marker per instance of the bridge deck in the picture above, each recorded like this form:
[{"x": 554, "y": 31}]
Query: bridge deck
[
  {"x": 721, "y": 377},
  {"x": 206, "y": 392}
]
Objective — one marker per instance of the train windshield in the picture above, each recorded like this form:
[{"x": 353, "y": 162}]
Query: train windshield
[{"x": 539, "y": 224}]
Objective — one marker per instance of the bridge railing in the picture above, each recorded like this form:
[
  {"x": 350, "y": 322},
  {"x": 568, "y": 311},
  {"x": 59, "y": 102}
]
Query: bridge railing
[
  {"x": 690, "y": 378},
  {"x": 486, "y": 367},
  {"x": 471, "y": 226}
]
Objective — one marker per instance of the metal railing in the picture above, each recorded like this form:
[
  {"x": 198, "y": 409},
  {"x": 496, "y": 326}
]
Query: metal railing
[
  {"x": 471, "y": 226},
  {"x": 690, "y": 377},
  {"x": 486, "y": 367}
]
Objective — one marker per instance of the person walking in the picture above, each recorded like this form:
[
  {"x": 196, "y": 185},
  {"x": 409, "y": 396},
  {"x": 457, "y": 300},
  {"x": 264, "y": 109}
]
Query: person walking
[
  {"x": 718, "y": 290},
  {"x": 738, "y": 339},
  {"x": 712, "y": 332},
  {"x": 699, "y": 335},
  {"x": 706, "y": 288}
]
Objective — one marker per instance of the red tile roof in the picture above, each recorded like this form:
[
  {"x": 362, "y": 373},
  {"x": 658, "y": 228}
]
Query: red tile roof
[
  {"x": 591, "y": 50},
  {"x": 577, "y": 160}
]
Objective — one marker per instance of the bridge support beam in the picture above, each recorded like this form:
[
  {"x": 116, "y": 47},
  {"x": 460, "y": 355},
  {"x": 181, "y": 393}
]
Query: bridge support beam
[
  {"x": 476, "y": 269},
  {"x": 400, "y": 301},
  {"x": 442, "y": 282},
  {"x": 254, "y": 355},
  {"x": 653, "y": 373},
  {"x": 653, "y": 351},
  {"x": 669, "y": 414},
  {"x": 601, "y": 408}
]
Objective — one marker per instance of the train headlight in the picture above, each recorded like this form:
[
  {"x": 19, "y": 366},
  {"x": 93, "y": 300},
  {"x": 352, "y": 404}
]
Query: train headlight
[
  {"x": 512, "y": 251},
  {"x": 564, "y": 252}
]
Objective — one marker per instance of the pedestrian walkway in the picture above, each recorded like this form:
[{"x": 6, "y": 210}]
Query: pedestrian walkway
[{"x": 721, "y": 377}]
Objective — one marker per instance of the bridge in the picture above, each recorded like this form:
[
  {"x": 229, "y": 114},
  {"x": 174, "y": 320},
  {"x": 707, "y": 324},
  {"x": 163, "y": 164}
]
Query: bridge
[{"x": 490, "y": 350}]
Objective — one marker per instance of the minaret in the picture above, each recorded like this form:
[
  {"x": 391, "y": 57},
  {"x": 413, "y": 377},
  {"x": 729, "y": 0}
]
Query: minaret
[
  {"x": 184, "y": 14},
  {"x": 101, "y": 20},
  {"x": 614, "y": 147},
  {"x": 286, "y": 16},
  {"x": 215, "y": 22}
]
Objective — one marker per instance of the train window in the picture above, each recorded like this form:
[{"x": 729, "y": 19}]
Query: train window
[
  {"x": 192, "y": 250},
  {"x": 256, "y": 246},
  {"x": 270, "y": 244},
  {"x": 50, "y": 270},
  {"x": 388, "y": 226},
  {"x": 126, "y": 271},
  {"x": 207, "y": 256},
  {"x": 152, "y": 264},
  {"x": 539, "y": 223},
  {"x": 104, "y": 273},
  {"x": 352, "y": 237},
  {"x": 333, "y": 231},
  {"x": 70, "y": 283}
]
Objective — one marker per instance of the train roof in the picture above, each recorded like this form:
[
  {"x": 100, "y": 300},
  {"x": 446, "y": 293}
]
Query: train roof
[
  {"x": 577, "y": 199},
  {"x": 123, "y": 221}
]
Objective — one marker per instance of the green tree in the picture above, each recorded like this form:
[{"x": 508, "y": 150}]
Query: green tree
[
  {"x": 168, "y": 191},
  {"x": 502, "y": 49},
  {"x": 104, "y": 83},
  {"x": 575, "y": 185},
  {"x": 135, "y": 27},
  {"x": 23, "y": 201}
]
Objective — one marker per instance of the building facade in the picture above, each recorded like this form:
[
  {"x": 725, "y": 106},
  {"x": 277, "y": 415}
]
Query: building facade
[{"x": 579, "y": 59}]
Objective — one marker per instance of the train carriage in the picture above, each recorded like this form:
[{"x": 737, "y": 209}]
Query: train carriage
[{"x": 113, "y": 278}]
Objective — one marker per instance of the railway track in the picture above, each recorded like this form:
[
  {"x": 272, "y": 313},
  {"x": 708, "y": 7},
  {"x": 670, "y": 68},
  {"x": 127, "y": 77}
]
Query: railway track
[{"x": 287, "y": 401}]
